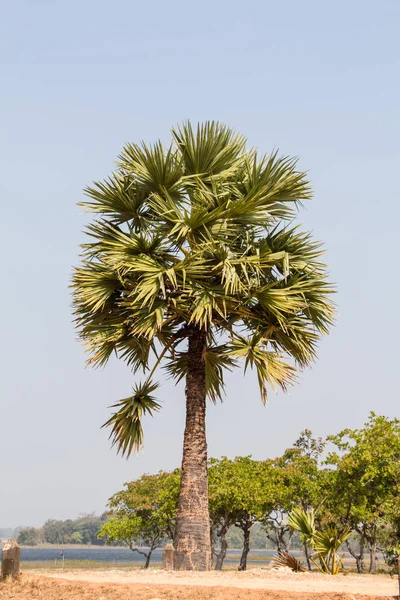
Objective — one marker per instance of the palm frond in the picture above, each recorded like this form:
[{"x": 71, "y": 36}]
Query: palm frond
[
  {"x": 94, "y": 284},
  {"x": 195, "y": 234},
  {"x": 127, "y": 432},
  {"x": 156, "y": 168},
  {"x": 304, "y": 252},
  {"x": 271, "y": 368},
  {"x": 120, "y": 198},
  {"x": 329, "y": 540},
  {"x": 284, "y": 559},
  {"x": 213, "y": 149},
  {"x": 302, "y": 521},
  {"x": 216, "y": 362}
]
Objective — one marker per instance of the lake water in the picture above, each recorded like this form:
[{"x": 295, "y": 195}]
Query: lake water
[{"x": 113, "y": 555}]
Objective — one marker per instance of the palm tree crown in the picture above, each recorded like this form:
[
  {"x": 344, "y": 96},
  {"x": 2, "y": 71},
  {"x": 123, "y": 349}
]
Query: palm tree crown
[{"x": 199, "y": 235}]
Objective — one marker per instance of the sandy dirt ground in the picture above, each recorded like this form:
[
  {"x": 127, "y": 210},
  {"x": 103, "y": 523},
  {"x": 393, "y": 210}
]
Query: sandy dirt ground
[
  {"x": 38, "y": 587},
  {"x": 255, "y": 584}
]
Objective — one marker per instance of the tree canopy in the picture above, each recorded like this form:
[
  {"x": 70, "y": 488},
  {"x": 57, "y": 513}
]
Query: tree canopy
[
  {"x": 364, "y": 486},
  {"x": 144, "y": 513},
  {"x": 199, "y": 234}
]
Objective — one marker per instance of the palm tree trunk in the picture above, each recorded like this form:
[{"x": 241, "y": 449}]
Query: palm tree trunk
[{"x": 192, "y": 538}]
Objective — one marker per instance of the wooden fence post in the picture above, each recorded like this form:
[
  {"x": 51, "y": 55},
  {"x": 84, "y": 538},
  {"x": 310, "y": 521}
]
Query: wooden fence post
[
  {"x": 10, "y": 561},
  {"x": 168, "y": 557}
]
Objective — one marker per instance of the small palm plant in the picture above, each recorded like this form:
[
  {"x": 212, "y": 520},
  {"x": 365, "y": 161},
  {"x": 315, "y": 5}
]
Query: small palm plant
[
  {"x": 326, "y": 543},
  {"x": 192, "y": 246}
]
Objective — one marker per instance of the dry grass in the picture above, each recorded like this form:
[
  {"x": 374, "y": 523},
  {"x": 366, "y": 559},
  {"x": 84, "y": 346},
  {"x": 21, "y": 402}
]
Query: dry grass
[{"x": 31, "y": 587}]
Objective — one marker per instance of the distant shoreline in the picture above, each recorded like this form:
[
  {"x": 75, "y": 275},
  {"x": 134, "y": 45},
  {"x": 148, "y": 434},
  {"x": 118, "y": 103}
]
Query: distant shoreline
[
  {"x": 107, "y": 547},
  {"x": 76, "y": 546}
]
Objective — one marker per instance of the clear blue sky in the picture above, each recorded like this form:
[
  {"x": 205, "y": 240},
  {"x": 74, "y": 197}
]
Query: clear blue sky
[{"x": 316, "y": 79}]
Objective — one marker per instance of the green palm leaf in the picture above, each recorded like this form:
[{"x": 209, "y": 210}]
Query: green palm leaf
[
  {"x": 126, "y": 423},
  {"x": 302, "y": 521}
]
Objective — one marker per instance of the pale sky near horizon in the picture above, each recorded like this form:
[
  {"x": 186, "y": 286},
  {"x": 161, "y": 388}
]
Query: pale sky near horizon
[{"x": 79, "y": 79}]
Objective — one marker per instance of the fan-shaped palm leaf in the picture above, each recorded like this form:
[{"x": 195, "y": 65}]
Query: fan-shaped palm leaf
[
  {"x": 302, "y": 521},
  {"x": 127, "y": 432}
]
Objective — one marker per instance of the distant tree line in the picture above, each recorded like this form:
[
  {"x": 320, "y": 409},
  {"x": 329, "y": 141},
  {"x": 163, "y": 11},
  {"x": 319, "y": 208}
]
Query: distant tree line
[{"x": 83, "y": 530}]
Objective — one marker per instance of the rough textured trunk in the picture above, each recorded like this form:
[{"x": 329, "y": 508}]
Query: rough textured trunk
[
  {"x": 192, "y": 538},
  {"x": 222, "y": 553},
  {"x": 246, "y": 548}
]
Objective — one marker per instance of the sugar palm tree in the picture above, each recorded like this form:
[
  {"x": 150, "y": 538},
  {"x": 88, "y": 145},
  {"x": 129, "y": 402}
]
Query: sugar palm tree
[{"x": 192, "y": 264}]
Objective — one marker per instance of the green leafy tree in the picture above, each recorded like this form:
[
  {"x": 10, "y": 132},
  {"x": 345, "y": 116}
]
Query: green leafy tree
[
  {"x": 238, "y": 494},
  {"x": 297, "y": 477},
  {"x": 365, "y": 481},
  {"x": 87, "y": 526},
  {"x": 141, "y": 534},
  {"x": 29, "y": 536},
  {"x": 191, "y": 245},
  {"x": 229, "y": 501},
  {"x": 251, "y": 502},
  {"x": 154, "y": 496},
  {"x": 76, "y": 538},
  {"x": 222, "y": 505},
  {"x": 53, "y": 532},
  {"x": 144, "y": 513},
  {"x": 389, "y": 537}
]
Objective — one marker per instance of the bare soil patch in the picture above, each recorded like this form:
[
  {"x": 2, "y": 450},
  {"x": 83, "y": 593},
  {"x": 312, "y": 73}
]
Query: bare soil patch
[
  {"x": 44, "y": 588},
  {"x": 256, "y": 584}
]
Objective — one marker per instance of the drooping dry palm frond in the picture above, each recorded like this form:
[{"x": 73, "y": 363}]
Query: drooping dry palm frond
[
  {"x": 284, "y": 559},
  {"x": 196, "y": 234}
]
